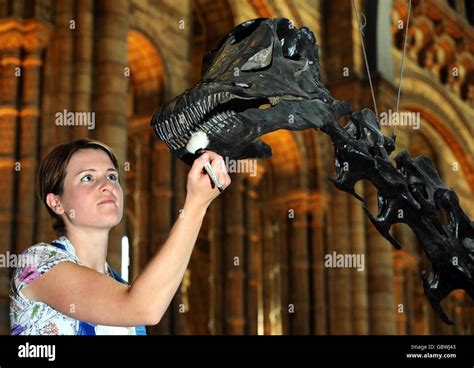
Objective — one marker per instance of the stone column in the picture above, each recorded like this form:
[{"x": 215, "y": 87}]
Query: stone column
[
  {"x": 459, "y": 309},
  {"x": 409, "y": 243},
  {"x": 380, "y": 274},
  {"x": 63, "y": 78},
  {"x": 318, "y": 206},
  {"x": 82, "y": 76},
  {"x": 139, "y": 252},
  {"x": 34, "y": 42},
  {"x": 399, "y": 289},
  {"x": 359, "y": 278},
  {"x": 299, "y": 265},
  {"x": 235, "y": 258},
  {"x": 339, "y": 276},
  {"x": 254, "y": 249},
  {"x": 58, "y": 86},
  {"x": 284, "y": 292},
  {"x": 111, "y": 86},
  {"x": 216, "y": 272},
  {"x": 267, "y": 261},
  {"x": 161, "y": 212},
  {"x": 422, "y": 315},
  {"x": 410, "y": 308},
  {"x": 10, "y": 43}
]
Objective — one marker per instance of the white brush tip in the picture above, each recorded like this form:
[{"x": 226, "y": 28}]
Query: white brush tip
[{"x": 198, "y": 140}]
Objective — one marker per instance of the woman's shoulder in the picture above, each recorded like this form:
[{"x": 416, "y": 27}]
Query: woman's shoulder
[
  {"x": 38, "y": 259},
  {"x": 41, "y": 251},
  {"x": 43, "y": 246}
]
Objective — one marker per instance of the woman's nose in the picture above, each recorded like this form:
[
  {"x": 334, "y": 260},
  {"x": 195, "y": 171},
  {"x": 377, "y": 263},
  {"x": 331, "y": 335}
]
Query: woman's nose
[{"x": 105, "y": 184}]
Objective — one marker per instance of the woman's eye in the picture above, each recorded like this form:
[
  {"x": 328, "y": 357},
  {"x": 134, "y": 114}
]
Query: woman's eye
[
  {"x": 86, "y": 178},
  {"x": 113, "y": 177}
]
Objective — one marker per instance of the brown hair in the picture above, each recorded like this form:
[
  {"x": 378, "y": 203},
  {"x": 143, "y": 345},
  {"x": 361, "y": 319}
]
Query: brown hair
[{"x": 52, "y": 171}]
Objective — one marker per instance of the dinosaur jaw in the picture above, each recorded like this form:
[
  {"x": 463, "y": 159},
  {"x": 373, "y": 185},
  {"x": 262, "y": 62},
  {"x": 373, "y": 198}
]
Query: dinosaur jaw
[{"x": 220, "y": 114}]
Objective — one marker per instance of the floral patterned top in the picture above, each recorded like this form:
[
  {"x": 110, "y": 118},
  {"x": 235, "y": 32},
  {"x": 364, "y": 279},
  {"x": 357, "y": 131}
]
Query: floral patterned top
[{"x": 29, "y": 317}]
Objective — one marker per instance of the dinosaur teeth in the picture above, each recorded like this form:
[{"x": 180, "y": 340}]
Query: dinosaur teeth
[
  {"x": 167, "y": 128},
  {"x": 161, "y": 133},
  {"x": 207, "y": 126},
  {"x": 189, "y": 116},
  {"x": 186, "y": 118},
  {"x": 195, "y": 114},
  {"x": 200, "y": 109},
  {"x": 183, "y": 141},
  {"x": 209, "y": 104},
  {"x": 173, "y": 125},
  {"x": 173, "y": 144},
  {"x": 177, "y": 128}
]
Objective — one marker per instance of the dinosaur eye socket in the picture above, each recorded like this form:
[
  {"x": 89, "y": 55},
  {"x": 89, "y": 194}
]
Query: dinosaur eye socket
[
  {"x": 259, "y": 60},
  {"x": 288, "y": 37},
  {"x": 296, "y": 43}
]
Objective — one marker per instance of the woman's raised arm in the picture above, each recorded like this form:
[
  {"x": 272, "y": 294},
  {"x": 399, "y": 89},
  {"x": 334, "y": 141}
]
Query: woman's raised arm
[{"x": 84, "y": 294}]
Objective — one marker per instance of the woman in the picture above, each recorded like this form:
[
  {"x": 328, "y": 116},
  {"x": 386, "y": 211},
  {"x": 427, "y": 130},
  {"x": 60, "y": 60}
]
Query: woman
[{"x": 68, "y": 287}]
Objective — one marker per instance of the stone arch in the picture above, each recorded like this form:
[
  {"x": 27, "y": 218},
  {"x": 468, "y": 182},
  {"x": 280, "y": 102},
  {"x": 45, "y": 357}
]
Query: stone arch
[
  {"x": 148, "y": 75},
  {"x": 315, "y": 174},
  {"x": 287, "y": 159},
  {"x": 216, "y": 19},
  {"x": 147, "y": 91},
  {"x": 448, "y": 138},
  {"x": 449, "y": 120},
  {"x": 428, "y": 141},
  {"x": 211, "y": 22},
  {"x": 262, "y": 8},
  {"x": 152, "y": 37},
  {"x": 420, "y": 145}
]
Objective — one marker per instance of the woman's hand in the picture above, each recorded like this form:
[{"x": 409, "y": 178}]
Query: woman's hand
[{"x": 201, "y": 190}]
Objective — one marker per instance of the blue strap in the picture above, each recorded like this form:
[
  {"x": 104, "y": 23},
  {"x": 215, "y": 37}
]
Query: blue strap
[
  {"x": 140, "y": 330},
  {"x": 117, "y": 277},
  {"x": 59, "y": 245},
  {"x": 86, "y": 329},
  {"x": 89, "y": 328}
]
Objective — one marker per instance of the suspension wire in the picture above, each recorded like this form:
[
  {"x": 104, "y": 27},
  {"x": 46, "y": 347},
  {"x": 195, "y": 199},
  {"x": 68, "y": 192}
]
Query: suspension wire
[
  {"x": 365, "y": 58},
  {"x": 402, "y": 62}
]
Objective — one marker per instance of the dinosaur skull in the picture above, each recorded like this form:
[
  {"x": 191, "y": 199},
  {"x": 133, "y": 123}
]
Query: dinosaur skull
[{"x": 263, "y": 77}]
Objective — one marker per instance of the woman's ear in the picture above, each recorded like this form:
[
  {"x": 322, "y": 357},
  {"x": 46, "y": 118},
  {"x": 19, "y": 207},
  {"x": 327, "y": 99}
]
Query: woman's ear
[{"x": 53, "y": 202}]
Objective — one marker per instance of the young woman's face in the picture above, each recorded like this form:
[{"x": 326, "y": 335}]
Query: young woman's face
[{"x": 92, "y": 195}]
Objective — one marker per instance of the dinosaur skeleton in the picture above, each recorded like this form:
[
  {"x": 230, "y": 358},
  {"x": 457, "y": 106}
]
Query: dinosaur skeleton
[{"x": 265, "y": 76}]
